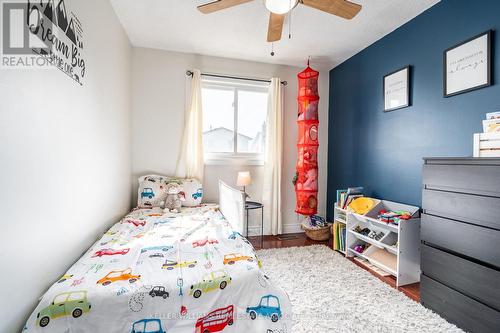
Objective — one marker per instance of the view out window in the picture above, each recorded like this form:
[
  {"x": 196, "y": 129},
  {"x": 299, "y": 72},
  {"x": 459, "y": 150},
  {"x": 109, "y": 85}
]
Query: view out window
[{"x": 234, "y": 120}]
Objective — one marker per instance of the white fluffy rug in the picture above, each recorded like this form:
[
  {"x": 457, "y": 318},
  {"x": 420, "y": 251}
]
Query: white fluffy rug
[{"x": 332, "y": 294}]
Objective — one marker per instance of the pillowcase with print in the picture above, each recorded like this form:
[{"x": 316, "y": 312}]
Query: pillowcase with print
[{"x": 152, "y": 192}]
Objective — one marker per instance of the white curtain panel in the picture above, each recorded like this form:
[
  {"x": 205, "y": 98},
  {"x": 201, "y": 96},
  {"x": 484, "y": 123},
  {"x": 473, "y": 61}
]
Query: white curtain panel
[
  {"x": 271, "y": 194},
  {"x": 190, "y": 163}
]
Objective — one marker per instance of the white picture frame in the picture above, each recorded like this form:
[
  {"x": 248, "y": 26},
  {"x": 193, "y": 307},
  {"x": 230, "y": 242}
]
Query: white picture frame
[
  {"x": 467, "y": 66},
  {"x": 397, "y": 89}
]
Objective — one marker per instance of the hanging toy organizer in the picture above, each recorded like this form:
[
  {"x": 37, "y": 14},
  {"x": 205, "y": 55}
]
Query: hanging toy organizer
[{"x": 306, "y": 176}]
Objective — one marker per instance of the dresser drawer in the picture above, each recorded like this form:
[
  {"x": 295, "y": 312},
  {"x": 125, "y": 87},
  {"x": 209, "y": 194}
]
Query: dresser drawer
[
  {"x": 471, "y": 279},
  {"x": 475, "y": 179},
  {"x": 469, "y": 240},
  {"x": 480, "y": 210},
  {"x": 458, "y": 308}
]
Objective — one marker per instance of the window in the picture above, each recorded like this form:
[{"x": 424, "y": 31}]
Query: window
[
  {"x": 76, "y": 296},
  {"x": 152, "y": 326},
  {"x": 61, "y": 298},
  {"x": 234, "y": 120},
  {"x": 139, "y": 327}
]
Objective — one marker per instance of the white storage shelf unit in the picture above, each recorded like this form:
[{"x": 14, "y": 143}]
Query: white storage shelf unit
[{"x": 398, "y": 251}]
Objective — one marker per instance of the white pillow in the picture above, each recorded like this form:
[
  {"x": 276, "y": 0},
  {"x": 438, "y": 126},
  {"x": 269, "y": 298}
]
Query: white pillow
[
  {"x": 193, "y": 192},
  {"x": 152, "y": 192}
]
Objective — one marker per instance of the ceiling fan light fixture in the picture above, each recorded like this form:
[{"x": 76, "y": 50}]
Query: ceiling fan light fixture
[{"x": 280, "y": 6}]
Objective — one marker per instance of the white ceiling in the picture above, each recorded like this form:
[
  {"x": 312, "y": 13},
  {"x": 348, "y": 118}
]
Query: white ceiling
[{"x": 240, "y": 32}]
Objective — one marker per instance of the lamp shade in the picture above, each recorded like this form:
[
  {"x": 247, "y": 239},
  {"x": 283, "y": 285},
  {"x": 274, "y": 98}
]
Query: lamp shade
[{"x": 244, "y": 178}]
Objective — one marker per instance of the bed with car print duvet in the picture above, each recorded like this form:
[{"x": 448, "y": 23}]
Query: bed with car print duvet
[{"x": 154, "y": 272}]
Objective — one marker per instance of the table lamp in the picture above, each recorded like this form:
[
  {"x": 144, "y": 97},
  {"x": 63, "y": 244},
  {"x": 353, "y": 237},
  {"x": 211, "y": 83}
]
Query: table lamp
[{"x": 244, "y": 179}]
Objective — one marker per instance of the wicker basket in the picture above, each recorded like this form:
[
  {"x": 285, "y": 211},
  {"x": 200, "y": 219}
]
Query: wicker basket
[{"x": 318, "y": 234}]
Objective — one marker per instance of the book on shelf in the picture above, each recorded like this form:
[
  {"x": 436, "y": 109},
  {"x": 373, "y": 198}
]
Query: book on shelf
[
  {"x": 344, "y": 197},
  {"x": 339, "y": 233}
]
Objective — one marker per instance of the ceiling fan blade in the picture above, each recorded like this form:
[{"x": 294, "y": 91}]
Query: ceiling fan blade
[
  {"x": 275, "y": 27},
  {"x": 219, "y": 5},
  {"x": 342, "y": 8}
]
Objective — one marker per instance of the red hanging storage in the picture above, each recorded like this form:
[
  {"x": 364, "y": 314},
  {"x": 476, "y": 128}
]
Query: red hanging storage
[{"x": 306, "y": 176}]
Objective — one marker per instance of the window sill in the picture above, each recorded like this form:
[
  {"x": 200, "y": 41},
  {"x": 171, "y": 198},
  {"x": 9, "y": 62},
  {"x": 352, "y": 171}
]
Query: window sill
[{"x": 234, "y": 159}]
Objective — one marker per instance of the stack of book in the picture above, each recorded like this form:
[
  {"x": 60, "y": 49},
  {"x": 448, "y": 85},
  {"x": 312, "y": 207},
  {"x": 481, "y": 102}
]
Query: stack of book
[
  {"x": 339, "y": 232},
  {"x": 487, "y": 144},
  {"x": 344, "y": 197},
  {"x": 492, "y": 123}
]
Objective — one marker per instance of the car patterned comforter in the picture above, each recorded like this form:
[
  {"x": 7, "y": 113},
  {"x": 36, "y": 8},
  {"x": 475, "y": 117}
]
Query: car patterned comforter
[{"x": 154, "y": 272}]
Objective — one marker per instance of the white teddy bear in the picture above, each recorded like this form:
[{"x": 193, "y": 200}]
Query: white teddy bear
[{"x": 175, "y": 196}]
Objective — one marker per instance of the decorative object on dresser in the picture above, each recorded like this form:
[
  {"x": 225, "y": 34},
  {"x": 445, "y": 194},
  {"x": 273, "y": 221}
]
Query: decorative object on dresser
[
  {"x": 397, "y": 89},
  {"x": 460, "y": 236},
  {"x": 467, "y": 66}
]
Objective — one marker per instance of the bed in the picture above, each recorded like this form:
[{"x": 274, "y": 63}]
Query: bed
[{"x": 161, "y": 272}]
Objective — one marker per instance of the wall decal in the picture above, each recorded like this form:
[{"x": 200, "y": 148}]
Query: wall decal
[
  {"x": 61, "y": 34},
  {"x": 467, "y": 66}
]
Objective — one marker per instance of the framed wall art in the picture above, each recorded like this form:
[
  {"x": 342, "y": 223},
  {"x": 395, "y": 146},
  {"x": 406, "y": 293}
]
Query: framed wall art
[
  {"x": 397, "y": 89},
  {"x": 467, "y": 66}
]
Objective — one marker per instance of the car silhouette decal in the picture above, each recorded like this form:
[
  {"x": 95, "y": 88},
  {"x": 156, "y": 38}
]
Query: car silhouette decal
[
  {"x": 64, "y": 304},
  {"x": 147, "y": 326},
  {"x": 147, "y": 192},
  {"x": 211, "y": 281},
  {"x": 216, "y": 320},
  {"x": 110, "y": 252},
  {"x": 171, "y": 264},
  {"x": 163, "y": 248},
  {"x": 114, "y": 276},
  {"x": 197, "y": 194},
  {"x": 232, "y": 258},
  {"x": 269, "y": 306},
  {"x": 159, "y": 291}
]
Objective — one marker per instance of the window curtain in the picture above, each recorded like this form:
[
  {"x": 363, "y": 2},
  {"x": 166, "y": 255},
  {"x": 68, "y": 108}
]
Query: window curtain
[
  {"x": 190, "y": 163},
  {"x": 271, "y": 194}
]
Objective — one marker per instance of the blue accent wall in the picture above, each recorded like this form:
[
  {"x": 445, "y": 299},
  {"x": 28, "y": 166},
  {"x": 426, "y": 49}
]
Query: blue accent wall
[{"x": 383, "y": 151}]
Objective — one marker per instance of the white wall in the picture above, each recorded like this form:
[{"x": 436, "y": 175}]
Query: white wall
[
  {"x": 65, "y": 160},
  {"x": 159, "y": 96}
]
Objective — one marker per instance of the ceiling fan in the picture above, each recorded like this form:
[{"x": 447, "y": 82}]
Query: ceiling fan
[{"x": 279, "y": 9}]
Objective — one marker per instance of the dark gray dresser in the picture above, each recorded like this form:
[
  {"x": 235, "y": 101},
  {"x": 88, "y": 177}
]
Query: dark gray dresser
[{"x": 460, "y": 232}]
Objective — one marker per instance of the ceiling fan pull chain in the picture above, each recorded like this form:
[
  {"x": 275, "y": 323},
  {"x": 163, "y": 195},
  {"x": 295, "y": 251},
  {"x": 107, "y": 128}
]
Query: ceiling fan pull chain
[
  {"x": 290, "y": 22},
  {"x": 272, "y": 49}
]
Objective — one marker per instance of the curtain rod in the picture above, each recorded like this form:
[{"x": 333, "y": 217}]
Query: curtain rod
[{"x": 190, "y": 73}]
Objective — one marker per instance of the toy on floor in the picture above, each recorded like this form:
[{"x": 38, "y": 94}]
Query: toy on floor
[
  {"x": 318, "y": 221},
  {"x": 393, "y": 217},
  {"x": 359, "y": 248},
  {"x": 376, "y": 235},
  {"x": 315, "y": 222}
]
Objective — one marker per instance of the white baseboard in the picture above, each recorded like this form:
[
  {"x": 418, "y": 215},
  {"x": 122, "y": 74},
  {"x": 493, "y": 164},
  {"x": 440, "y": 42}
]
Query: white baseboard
[{"x": 290, "y": 228}]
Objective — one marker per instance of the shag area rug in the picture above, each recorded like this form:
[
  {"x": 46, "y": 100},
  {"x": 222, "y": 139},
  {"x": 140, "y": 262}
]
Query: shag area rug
[{"x": 332, "y": 294}]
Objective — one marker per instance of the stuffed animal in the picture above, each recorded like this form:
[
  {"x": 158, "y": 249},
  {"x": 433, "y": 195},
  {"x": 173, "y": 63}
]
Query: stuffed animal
[
  {"x": 173, "y": 202},
  {"x": 311, "y": 182}
]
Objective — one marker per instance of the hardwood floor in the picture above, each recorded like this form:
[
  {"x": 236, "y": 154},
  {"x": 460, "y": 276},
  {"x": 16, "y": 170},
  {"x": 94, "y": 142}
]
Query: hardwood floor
[{"x": 300, "y": 239}]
